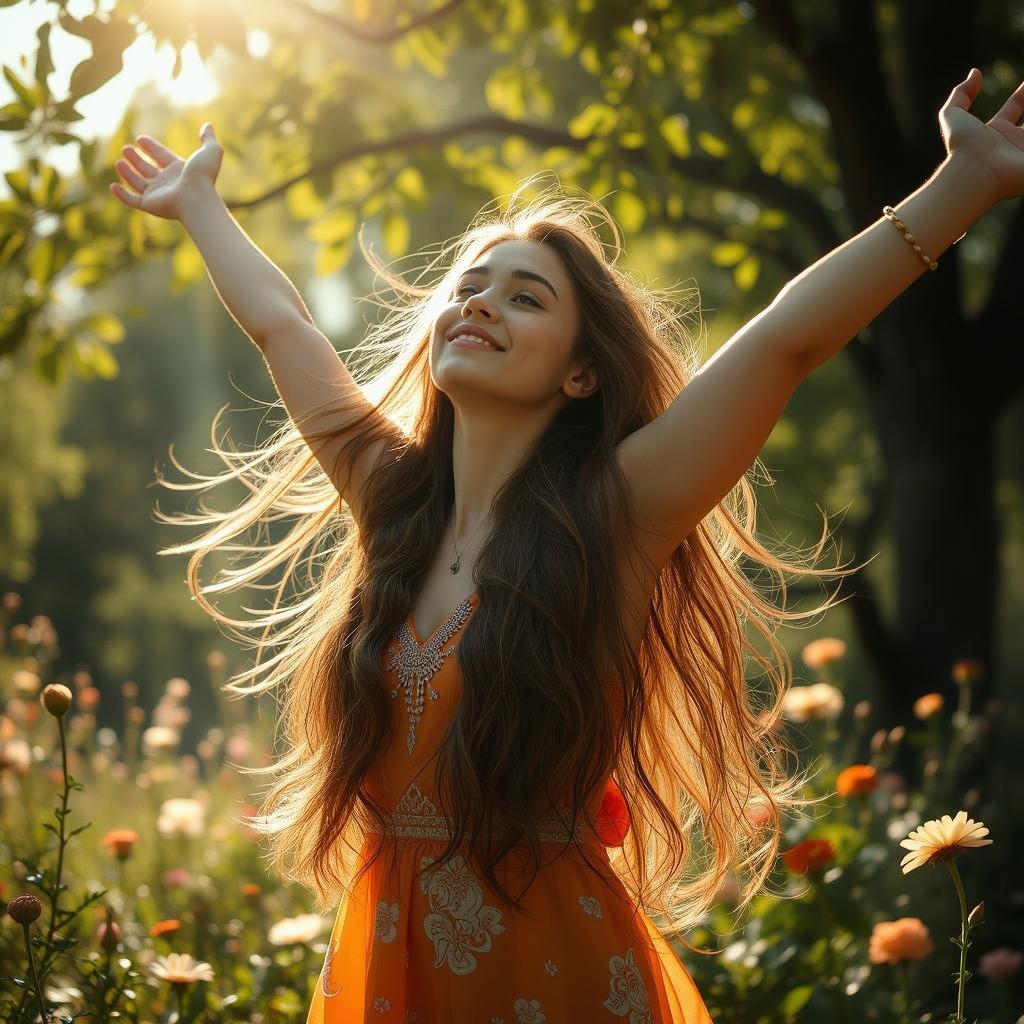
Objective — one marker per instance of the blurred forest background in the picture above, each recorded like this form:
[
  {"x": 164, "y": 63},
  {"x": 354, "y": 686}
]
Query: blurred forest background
[{"x": 735, "y": 143}]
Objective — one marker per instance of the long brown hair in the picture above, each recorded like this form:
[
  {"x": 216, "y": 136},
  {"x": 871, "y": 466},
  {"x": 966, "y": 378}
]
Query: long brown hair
[{"x": 691, "y": 743}]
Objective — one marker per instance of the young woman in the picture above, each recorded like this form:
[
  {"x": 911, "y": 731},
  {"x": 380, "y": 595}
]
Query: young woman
[{"x": 516, "y": 706}]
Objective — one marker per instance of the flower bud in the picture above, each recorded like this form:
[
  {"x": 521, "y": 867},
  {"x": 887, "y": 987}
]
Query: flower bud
[
  {"x": 57, "y": 699},
  {"x": 977, "y": 915},
  {"x": 109, "y": 934},
  {"x": 24, "y": 909}
]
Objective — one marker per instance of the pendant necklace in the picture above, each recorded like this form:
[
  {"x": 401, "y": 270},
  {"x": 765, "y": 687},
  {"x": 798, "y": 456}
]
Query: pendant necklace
[{"x": 455, "y": 565}]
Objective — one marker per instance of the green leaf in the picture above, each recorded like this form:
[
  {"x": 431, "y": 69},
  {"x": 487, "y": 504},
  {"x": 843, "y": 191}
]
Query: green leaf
[
  {"x": 745, "y": 274},
  {"x": 302, "y": 200},
  {"x": 743, "y": 114},
  {"x": 95, "y": 71},
  {"x": 337, "y": 226},
  {"x": 186, "y": 265},
  {"x": 503, "y": 92},
  {"x": 41, "y": 260},
  {"x": 11, "y": 247},
  {"x": 596, "y": 119},
  {"x": 794, "y": 1000},
  {"x": 328, "y": 259},
  {"x": 409, "y": 182},
  {"x": 429, "y": 50},
  {"x": 49, "y": 363},
  {"x": 19, "y": 184},
  {"x": 590, "y": 59},
  {"x": 44, "y": 62},
  {"x": 676, "y": 134},
  {"x": 396, "y": 233},
  {"x": 712, "y": 144},
  {"x": 29, "y": 96},
  {"x": 629, "y": 210},
  {"x": 726, "y": 254},
  {"x": 106, "y": 326},
  {"x": 13, "y": 330},
  {"x": 93, "y": 360}
]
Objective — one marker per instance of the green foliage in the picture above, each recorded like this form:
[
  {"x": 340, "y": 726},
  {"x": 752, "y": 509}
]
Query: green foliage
[{"x": 597, "y": 92}]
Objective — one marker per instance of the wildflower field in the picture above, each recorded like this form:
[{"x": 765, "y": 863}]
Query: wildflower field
[{"x": 133, "y": 889}]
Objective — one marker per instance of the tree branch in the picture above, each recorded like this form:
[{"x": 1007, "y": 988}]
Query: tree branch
[
  {"x": 364, "y": 35},
  {"x": 708, "y": 170}
]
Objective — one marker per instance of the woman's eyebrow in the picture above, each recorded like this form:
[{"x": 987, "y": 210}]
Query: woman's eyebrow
[{"x": 527, "y": 275}]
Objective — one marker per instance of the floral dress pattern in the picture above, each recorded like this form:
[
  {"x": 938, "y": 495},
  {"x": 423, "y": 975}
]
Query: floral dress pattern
[{"x": 419, "y": 944}]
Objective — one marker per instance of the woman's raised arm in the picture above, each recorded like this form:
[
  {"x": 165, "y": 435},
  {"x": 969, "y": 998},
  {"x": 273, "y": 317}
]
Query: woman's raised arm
[{"x": 307, "y": 371}]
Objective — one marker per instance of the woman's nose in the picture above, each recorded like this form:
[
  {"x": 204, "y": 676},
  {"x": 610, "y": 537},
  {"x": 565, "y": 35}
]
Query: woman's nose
[{"x": 480, "y": 305}]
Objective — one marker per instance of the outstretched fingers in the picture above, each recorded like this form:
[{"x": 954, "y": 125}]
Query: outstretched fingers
[
  {"x": 144, "y": 167},
  {"x": 124, "y": 195},
  {"x": 127, "y": 172},
  {"x": 1013, "y": 109},
  {"x": 157, "y": 150}
]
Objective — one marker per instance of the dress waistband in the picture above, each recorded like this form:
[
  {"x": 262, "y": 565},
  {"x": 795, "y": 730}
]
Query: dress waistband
[{"x": 416, "y": 817}]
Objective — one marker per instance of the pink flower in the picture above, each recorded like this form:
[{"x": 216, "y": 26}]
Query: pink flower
[
  {"x": 1001, "y": 964},
  {"x": 177, "y": 877}
]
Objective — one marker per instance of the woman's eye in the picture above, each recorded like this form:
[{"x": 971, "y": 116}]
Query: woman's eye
[{"x": 521, "y": 295}]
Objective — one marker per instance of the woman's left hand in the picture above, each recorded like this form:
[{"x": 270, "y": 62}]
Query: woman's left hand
[{"x": 995, "y": 147}]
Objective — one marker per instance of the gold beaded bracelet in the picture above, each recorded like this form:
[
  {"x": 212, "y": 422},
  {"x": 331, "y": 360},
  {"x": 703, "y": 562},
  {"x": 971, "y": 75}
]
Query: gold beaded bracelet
[{"x": 890, "y": 213}]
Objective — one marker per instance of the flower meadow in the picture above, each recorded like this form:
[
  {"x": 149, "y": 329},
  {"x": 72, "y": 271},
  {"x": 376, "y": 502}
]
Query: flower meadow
[{"x": 132, "y": 889}]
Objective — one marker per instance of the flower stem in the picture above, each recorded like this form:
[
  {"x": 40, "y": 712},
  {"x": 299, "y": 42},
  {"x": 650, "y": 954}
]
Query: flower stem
[
  {"x": 835, "y": 981},
  {"x": 905, "y": 989},
  {"x": 54, "y": 905},
  {"x": 35, "y": 975},
  {"x": 965, "y": 928}
]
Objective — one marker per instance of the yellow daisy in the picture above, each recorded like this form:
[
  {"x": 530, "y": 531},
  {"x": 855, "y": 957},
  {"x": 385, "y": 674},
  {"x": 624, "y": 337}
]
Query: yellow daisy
[{"x": 942, "y": 839}]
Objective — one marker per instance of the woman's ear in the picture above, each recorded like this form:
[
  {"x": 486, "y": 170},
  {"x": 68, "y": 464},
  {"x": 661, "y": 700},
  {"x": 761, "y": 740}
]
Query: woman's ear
[{"x": 584, "y": 383}]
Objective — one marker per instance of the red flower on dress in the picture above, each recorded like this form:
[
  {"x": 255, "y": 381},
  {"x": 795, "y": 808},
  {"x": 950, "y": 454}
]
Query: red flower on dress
[{"x": 612, "y": 822}]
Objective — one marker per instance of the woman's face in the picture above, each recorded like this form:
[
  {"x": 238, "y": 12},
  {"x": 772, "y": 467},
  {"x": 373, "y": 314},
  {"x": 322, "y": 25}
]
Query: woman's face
[{"x": 521, "y": 294}]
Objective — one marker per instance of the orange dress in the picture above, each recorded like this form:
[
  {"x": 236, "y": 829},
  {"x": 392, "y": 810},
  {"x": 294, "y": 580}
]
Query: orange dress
[{"x": 440, "y": 946}]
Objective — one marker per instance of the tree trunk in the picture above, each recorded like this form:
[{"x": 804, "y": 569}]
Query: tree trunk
[{"x": 936, "y": 431}]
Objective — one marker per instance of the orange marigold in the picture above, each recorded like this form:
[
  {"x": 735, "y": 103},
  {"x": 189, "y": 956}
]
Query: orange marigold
[
  {"x": 809, "y": 855},
  {"x": 892, "y": 942},
  {"x": 857, "y": 780},
  {"x": 966, "y": 670},
  {"x": 168, "y": 927},
  {"x": 88, "y": 698},
  {"x": 824, "y": 651},
  {"x": 928, "y": 705},
  {"x": 120, "y": 842}
]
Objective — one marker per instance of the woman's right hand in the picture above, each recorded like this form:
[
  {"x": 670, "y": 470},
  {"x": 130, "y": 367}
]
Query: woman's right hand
[{"x": 161, "y": 186}]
